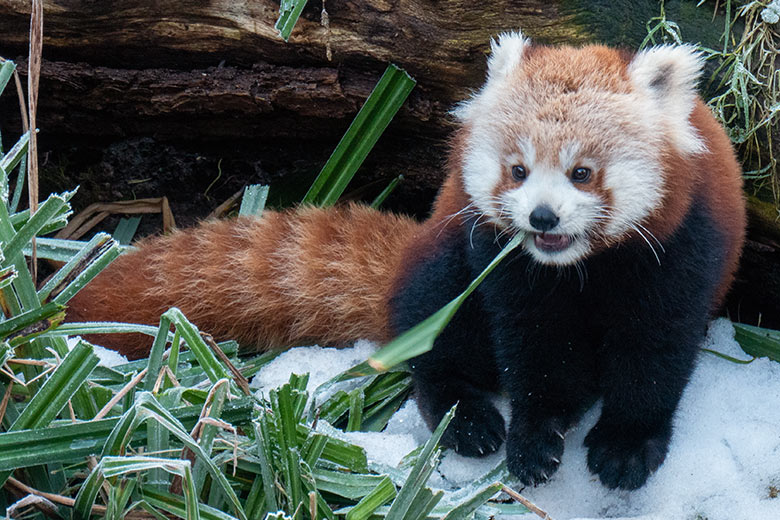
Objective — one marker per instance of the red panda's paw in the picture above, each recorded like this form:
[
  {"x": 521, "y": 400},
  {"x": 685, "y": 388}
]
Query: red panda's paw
[
  {"x": 623, "y": 459},
  {"x": 476, "y": 430},
  {"x": 534, "y": 454}
]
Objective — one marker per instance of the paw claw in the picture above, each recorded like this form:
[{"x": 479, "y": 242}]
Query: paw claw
[
  {"x": 621, "y": 460},
  {"x": 476, "y": 430},
  {"x": 534, "y": 455}
]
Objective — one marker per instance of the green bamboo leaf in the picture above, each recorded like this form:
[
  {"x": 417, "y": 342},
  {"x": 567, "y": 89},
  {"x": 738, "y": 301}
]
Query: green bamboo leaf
[
  {"x": 386, "y": 192},
  {"x": 265, "y": 493},
  {"x": 58, "y": 221},
  {"x": 11, "y": 159},
  {"x": 80, "y": 269},
  {"x": 155, "y": 360},
  {"x": 208, "y": 431},
  {"x": 125, "y": 230},
  {"x": 379, "y": 496},
  {"x": 419, "y": 339},
  {"x": 289, "y": 12},
  {"x": 379, "y": 109},
  {"x": 352, "y": 486},
  {"x": 287, "y": 439},
  {"x": 150, "y": 408},
  {"x": 52, "y": 397},
  {"x": 323, "y": 510},
  {"x": 253, "y": 201},
  {"x": 214, "y": 369},
  {"x": 48, "y": 210},
  {"x": 6, "y": 71},
  {"x": 313, "y": 448},
  {"x": 60, "y": 249},
  {"x": 758, "y": 341},
  {"x": 118, "y": 498},
  {"x": 338, "y": 451},
  {"x": 7, "y": 275},
  {"x": 110, "y": 467},
  {"x": 413, "y": 500},
  {"x": 28, "y": 323},
  {"x": 104, "y": 327},
  {"x": 356, "y": 401},
  {"x": 87, "y": 494},
  {"x": 73, "y": 441},
  {"x": 466, "y": 508},
  {"x": 175, "y": 506}
]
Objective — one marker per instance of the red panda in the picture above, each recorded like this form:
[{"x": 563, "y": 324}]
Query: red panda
[{"x": 630, "y": 197}]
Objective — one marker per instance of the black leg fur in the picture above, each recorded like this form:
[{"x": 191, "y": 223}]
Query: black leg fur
[
  {"x": 461, "y": 367},
  {"x": 629, "y": 334}
]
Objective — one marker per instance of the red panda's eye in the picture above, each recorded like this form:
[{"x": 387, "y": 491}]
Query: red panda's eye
[
  {"x": 519, "y": 172},
  {"x": 580, "y": 174}
]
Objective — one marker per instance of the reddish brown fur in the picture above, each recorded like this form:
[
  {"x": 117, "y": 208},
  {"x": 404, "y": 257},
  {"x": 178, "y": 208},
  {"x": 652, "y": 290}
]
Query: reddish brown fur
[
  {"x": 285, "y": 279},
  {"x": 324, "y": 275}
]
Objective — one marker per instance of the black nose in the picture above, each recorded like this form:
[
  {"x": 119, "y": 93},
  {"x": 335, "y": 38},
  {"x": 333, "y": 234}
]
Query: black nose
[{"x": 543, "y": 218}]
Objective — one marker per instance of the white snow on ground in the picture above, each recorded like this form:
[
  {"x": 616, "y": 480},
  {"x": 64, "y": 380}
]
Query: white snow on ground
[
  {"x": 108, "y": 358},
  {"x": 723, "y": 464}
]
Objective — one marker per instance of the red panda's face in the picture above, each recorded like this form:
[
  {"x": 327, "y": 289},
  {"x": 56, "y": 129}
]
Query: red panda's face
[{"x": 568, "y": 144}]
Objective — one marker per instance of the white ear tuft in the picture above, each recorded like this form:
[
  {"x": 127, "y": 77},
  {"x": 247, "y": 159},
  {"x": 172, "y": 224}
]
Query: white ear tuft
[
  {"x": 506, "y": 53},
  {"x": 669, "y": 76}
]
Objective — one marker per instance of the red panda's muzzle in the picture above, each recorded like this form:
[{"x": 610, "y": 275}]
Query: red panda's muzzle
[{"x": 550, "y": 242}]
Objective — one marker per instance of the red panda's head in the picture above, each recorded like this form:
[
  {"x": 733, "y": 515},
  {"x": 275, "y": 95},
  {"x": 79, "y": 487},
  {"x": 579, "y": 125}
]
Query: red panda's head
[{"x": 569, "y": 144}]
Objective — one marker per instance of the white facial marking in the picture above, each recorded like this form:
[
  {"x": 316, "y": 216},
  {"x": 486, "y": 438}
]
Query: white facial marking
[
  {"x": 527, "y": 153},
  {"x": 568, "y": 155},
  {"x": 481, "y": 174},
  {"x": 575, "y": 208},
  {"x": 636, "y": 186}
]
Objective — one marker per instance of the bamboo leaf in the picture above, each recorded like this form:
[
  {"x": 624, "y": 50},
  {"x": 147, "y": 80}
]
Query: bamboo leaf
[
  {"x": 379, "y": 496},
  {"x": 125, "y": 230},
  {"x": 208, "y": 431},
  {"x": 419, "y": 339},
  {"x": 466, "y": 508},
  {"x": 289, "y": 12},
  {"x": 379, "y": 109},
  {"x": 386, "y": 192},
  {"x": 80, "y": 269},
  {"x": 206, "y": 358},
  {"x": 70, "y": 441},
  {"x": 6, "y": 71},
  {"x": 758, "y": 341},
  {"x": 30, "y": 322},
  {"x": 11, "y": 159},
  {"x": 175, "y": 506},
  {"x": 52, "y": 397},
  {"x": 253, "y": 201},
  {"x": 48, "y": 210},
  {"x": 413, "y": 500},
  {"x": 59, "y": 249}
]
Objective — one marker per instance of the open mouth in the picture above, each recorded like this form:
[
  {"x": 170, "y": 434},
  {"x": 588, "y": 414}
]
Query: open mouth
[{"x": 551, "y": 243}]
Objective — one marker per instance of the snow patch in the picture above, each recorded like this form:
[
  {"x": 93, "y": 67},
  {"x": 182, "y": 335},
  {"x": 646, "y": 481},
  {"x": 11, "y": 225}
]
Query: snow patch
[
  {"x": 108, "y": 358},
  {"x": 723, "y": 462}
]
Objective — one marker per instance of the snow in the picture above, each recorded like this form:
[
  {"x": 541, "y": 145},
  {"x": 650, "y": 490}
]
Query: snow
[
  {"x": 108, "y": 358},
  {"x": 723, "y": 462}
]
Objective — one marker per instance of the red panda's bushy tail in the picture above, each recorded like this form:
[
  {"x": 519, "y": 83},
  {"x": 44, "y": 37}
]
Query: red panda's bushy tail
[{"x": 309, "y": 275}]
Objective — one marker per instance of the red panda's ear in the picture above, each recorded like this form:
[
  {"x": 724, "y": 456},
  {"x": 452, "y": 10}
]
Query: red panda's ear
[
  {"x": 506, "y": 53},
  {"x": 669, "y": 75}
]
